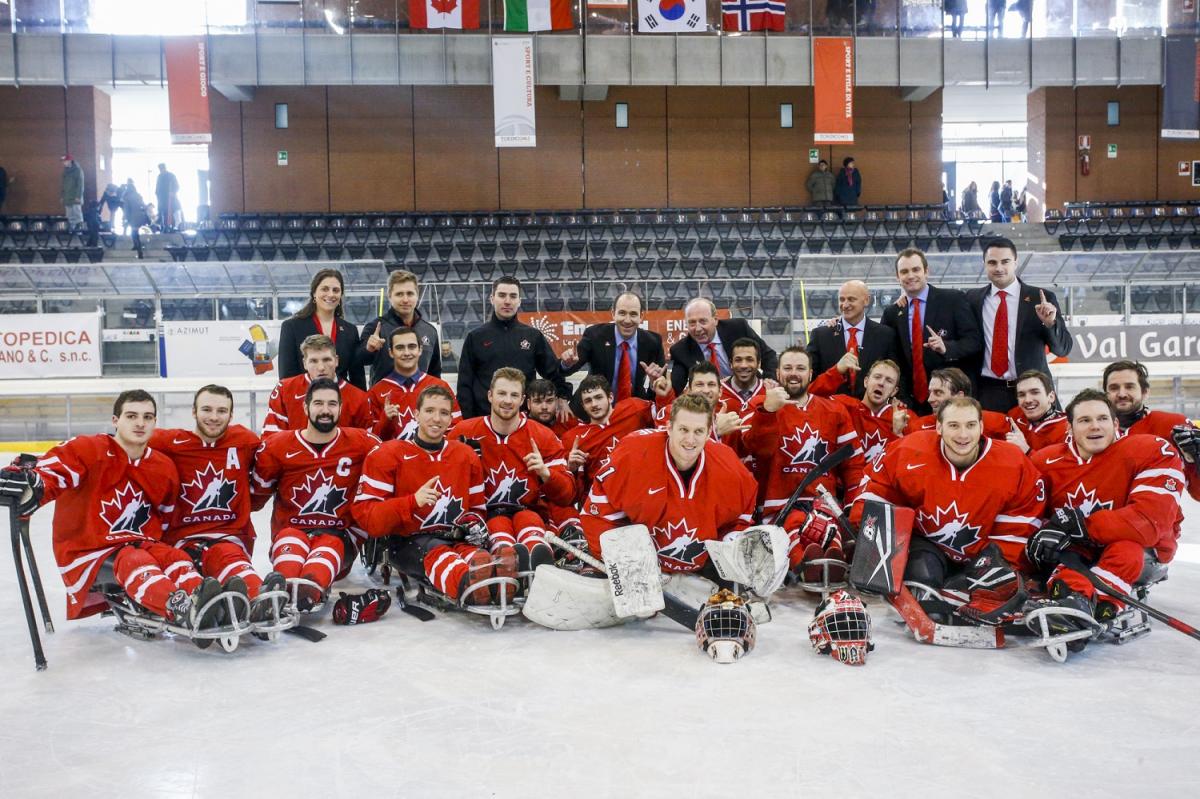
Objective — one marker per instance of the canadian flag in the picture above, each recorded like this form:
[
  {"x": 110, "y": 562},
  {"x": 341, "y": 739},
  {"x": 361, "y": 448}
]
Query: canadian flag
[{"x": 443, "y": 14}]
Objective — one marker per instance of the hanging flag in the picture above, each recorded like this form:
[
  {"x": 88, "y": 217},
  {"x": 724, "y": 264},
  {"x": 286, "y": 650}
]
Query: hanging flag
[
  {"x": 833, "y": 89},
  {"x": 461, "y": 14},
  {"x": 187, "y": 89},
  {"x": 753, "y": 15},
  {"x": 1181, "y": 90},
  {"x": 672, "y": 16},
  {"x": 537, "y": 15}
]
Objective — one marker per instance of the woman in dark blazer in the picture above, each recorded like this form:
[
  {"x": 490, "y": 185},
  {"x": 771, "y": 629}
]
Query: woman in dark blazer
[{"x": 322, "y": 314}]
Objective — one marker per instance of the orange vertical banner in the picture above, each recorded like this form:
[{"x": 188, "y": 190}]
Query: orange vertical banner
[
  {"x": 187, "y": 89},
  {"x": 833, "y": 89}
]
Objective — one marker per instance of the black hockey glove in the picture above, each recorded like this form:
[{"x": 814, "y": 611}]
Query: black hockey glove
[
  {"x": 1187, "y": 438},
  {"x": 21, "y": 487},
  {"x": 362, "y": 608},
  {"x": 1065, "y": 527}
]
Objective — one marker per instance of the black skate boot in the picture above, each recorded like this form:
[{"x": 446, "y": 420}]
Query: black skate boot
[
  {"x": 238, "y": 586},
  {"x": 1063, "y": 596},
  {"x": 212, "y": 617},
  {"x": 261, "y": 609},
  {"x": 995, "y": 591}
]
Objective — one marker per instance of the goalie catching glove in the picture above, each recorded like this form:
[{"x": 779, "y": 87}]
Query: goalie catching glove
[
  {"x": 1186, "y": 438},
  {"x": 23, "y": 485},
  {"x": 1066, "y": 527}
]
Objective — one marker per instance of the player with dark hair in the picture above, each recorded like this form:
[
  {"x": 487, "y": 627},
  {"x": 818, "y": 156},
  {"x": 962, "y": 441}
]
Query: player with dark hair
[
  {"x": 953, "y": 382},
  {"x": 542, "y": 400},
  {"x": 312, "y": 475},
  {"x": 1038, "y": 420},
  {"x": 393, "y": 398},
  {"x": 286, "y": 407},
  {"x": 113, "y": 495},
  {"x": 879, "y": 418},
  {"x": 745, "y": 382}
]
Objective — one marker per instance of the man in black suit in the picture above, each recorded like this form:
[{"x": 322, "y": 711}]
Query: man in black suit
[
  {"x": 1019, "y": 322},
  {"x": 620, "y": 351},
  {"x": 935, "y": 327},
  {"x": 853, "y": 332},
  {"x": 710, "y": 339}
]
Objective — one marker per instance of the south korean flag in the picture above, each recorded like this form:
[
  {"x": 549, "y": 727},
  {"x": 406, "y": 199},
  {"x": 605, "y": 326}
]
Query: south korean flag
[{"x": 672, "y": 16}]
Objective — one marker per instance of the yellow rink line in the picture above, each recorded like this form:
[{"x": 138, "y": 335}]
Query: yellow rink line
[{"x": 32, "y": 447}]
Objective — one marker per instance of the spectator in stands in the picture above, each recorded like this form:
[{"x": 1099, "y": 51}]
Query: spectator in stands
[
  {"x": 1019, "y": 323},
  {"x": 620, "y": 351},
  {"x": 1020, "y": 206},
  {"x": 403, "y": 293},
  {"x": 820, "y": 184},
  {"x": 957, "y": 11},
  {"x": 1025, "y": 9},
  {"x": 970, "y": 200},
  {"x": 91, "y": 221},
  {"x": 711, "y": 339},
  {"x": 934, "y": 327},
  {"x": 323, "y": 315},
  {"x": 166, "y": 191},
  {"x": 1006, "y": 201},
  {"x": 995, "y": 17},
  {"x": 851, "y": 332},
  {"x": 72, "y": 191},
  {"x": 848, "y": 187},
  {"x": 504, "y": 340},
  {"x": 133, "y": 214},
  {"x": 110, "y": 201},
  {"x": 449, "y": 359},
  {"x": 994, "y": 200}
]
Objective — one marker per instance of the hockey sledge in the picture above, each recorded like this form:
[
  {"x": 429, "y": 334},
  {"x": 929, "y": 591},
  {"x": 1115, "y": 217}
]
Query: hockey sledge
[{"x": 136, "y": 622}]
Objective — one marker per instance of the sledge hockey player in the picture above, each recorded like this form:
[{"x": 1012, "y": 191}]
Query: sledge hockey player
[
  {"x": 418, "y": 491},
  {"x": 728, "y": 425},
  {"x": 286, "y": 409},
  {"x": 790, "y": 433},
  {"x": 685, "y": 487},
  {"x": 1037, "y": 419},
  {"x": 524, "y": 468},
  {"x": 745, "y": 382},
  {"x": 1114, "y": 501},
  {"x": 211, "y": 520},
  {"x": 543, "y": 407},
  {"x": 590, "y": 445},
  {"x": 112, "y": 495},
  {"x": 953, "y": 382},
  {"x": 1127, "y": 384},
  {"x": 313, "y": 475},
  {"x": 393, "y": 399},
  {"x": 976, "y": 500},
  {"x": 878, "y": 418}
]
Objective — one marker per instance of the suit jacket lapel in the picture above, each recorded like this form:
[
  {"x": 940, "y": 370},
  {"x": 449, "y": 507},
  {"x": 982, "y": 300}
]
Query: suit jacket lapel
[{"x": 1025, "y": 303}]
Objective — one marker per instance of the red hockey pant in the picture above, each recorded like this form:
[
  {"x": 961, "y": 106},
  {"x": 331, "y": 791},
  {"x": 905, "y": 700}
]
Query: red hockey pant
[
  {"x": 150, "y": 573},
  {"x": 1120, "y": 564},
  {"x": 318, "y": 558},
  {"x": 226, "y": 559},
  {"x": 524, "y": 527}
]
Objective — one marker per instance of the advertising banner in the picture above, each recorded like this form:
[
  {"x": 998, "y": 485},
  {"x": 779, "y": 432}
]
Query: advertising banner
[
  {"x": 187, "y": 89},
  {"x": 833, "y": 89},
  {"x": 49, "y": 345},
  {"x": 512, "y": 91},
  {"x": 220, "y": 349},
  {"x": 1181, "y": 95},
  {"x": 1105, "y": 343},
  {"x": 563, "y": 329}
]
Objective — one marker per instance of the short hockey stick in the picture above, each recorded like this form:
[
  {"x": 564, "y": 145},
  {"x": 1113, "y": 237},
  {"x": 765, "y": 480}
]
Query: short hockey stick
[
  {"x": 1075, "y": 563},
  {"x": 14, "y": 519},
  {"x": 827, "y": 464}
]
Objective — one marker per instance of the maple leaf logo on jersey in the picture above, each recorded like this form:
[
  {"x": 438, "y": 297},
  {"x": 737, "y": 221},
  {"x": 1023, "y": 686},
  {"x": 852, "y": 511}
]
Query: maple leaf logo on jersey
[
  {"x": 507, "y": 488},
  {"x": 209, "y": 490},
  {"x": 446, "y": 508},
  {"x": 406, "y": 424},
  {"x": 948, "y": 528},
  {"x": 1085, "y": 501},
  {"x": 806, "y": 447},
  {"x": 126, "y": 512},
  {"x": 873, "y": 446},
  {"x": 681, "y": 549},
  {"x": 319, "y": 496}
]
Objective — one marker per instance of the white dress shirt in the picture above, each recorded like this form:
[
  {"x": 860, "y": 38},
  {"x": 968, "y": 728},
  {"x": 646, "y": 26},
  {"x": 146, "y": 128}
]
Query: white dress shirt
[{"x": 990, "y": 305}]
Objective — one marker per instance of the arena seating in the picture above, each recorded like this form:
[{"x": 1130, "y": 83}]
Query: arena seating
[
  {"x": 47, "y": 240},
  {"x": 1135, "y": 225}
]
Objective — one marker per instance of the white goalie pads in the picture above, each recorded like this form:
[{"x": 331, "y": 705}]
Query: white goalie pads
[
  {"x": 756, "y": 558},
  {"x": 563, "y": 600},
  {"x": 634, "y": 577}
]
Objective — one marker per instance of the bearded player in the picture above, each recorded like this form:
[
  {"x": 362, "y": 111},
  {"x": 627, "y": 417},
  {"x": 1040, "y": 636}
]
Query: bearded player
[{"x": 393, "y": 399}]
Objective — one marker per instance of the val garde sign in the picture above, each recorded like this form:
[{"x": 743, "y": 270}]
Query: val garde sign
[
  {"x": 49, "y": 345},
  {"x": 1106, "y": 343}
]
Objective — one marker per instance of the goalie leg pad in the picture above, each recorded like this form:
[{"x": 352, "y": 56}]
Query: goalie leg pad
[
  {"x": 564, "y": 600},
  {"x": 882, "y": 549}
]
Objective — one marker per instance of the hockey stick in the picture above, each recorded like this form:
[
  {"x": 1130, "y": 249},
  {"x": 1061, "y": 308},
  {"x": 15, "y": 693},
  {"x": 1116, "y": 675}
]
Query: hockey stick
[
  {"x": 827, "y": 464},
  {"x": 675, "y": 608},
  {"x": 14, "y": 520},
  {"x": 1075, "y": 563},
  {"x": 38, "y": 591}
]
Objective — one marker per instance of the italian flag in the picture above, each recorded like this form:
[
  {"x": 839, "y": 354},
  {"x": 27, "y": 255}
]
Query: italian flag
[
  {"x": 537, "y": 15},
  {"x": 443, "y": 14}
]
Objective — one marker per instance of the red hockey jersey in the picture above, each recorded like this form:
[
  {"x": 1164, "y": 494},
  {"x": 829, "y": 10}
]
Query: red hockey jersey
[
  {"x": 1159, "y": 423},
  {"x": 791, "y": 441},
  {"x": 214, "y": 491},
  {"x": 285, "y": 409},
  {"x": 995, "y": 425},
  {"x": 506, "y": 480},
  {"x": 599, "y": 441},
  {"x": 1129, "y": 492},
  {"x": 313, "y": 486},
  {"x": 395, "y": 471},
  {"x": 642, "y": 486},
  {"x": 733, "y": 401},
  {"x": 1053, "y": 428},
  {"x": 102, "y": 500},
  {"x": 394, "y": 390},
  {"x": 999, "y": 498}
]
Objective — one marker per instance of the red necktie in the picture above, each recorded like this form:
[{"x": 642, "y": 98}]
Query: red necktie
[
  {"x": 712, "y": 357},
  {"x": 624, "y": 374},
  {"x": 920, "y": 382},
  {"x": 853, "y": 347},
  {"x": 1000, "y": 339}
]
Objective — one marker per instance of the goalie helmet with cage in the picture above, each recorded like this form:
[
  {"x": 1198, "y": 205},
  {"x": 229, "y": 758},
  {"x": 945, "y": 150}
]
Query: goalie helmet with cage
[
  {"x": 725, "y": 630},
  {"x": 841, "y": 628}
]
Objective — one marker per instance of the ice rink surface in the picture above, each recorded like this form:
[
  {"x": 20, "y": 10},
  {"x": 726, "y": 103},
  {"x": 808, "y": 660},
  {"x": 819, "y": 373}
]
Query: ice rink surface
[{"x": 450, "y": 708}]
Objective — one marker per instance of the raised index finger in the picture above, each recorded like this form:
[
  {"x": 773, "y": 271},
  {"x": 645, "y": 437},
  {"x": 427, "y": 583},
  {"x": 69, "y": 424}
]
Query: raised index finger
[{"x": 1042, "y": 293}]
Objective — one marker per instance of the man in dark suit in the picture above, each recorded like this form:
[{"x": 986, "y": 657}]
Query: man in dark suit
[
  {"x": 1019, "y": 322},
  {"x": 853, "y": 332},
  {"x": 710, "y": 339},
  {"x": 935, "y": 327},
  {"x": 620, "y": 351}
]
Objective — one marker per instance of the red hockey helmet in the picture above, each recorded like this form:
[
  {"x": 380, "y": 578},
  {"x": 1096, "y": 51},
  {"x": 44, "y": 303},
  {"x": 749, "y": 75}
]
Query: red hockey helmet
[{"x": 841, "y": 628}]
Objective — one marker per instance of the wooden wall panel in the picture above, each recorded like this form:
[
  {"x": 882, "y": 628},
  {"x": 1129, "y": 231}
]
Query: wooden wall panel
[
  {"x": 456, "y": 165},
  {"x": 925, "y": 150},
  {"x": 708, "y": 146},
  {"x": 225, "y": 170},
  {"x": 304, "y": 183},
  {"x": 1132, "y": 174},
  {"x": 551, "y": 174},
  {"x": 371, "y": 148},
  {"x": 626, "y": 167},
  {"x": 33, "y": 140},
  {"x": 779, "y": 156}
]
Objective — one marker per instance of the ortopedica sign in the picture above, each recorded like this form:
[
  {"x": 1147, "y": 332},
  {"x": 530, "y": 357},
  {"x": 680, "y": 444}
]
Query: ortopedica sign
[
  {"x": 1105, "y": 343},
  {"x": 49, "y": 345}
]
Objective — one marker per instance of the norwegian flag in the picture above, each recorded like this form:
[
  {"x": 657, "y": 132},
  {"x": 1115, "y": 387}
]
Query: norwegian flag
[{"x": 753, "y": 15}]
